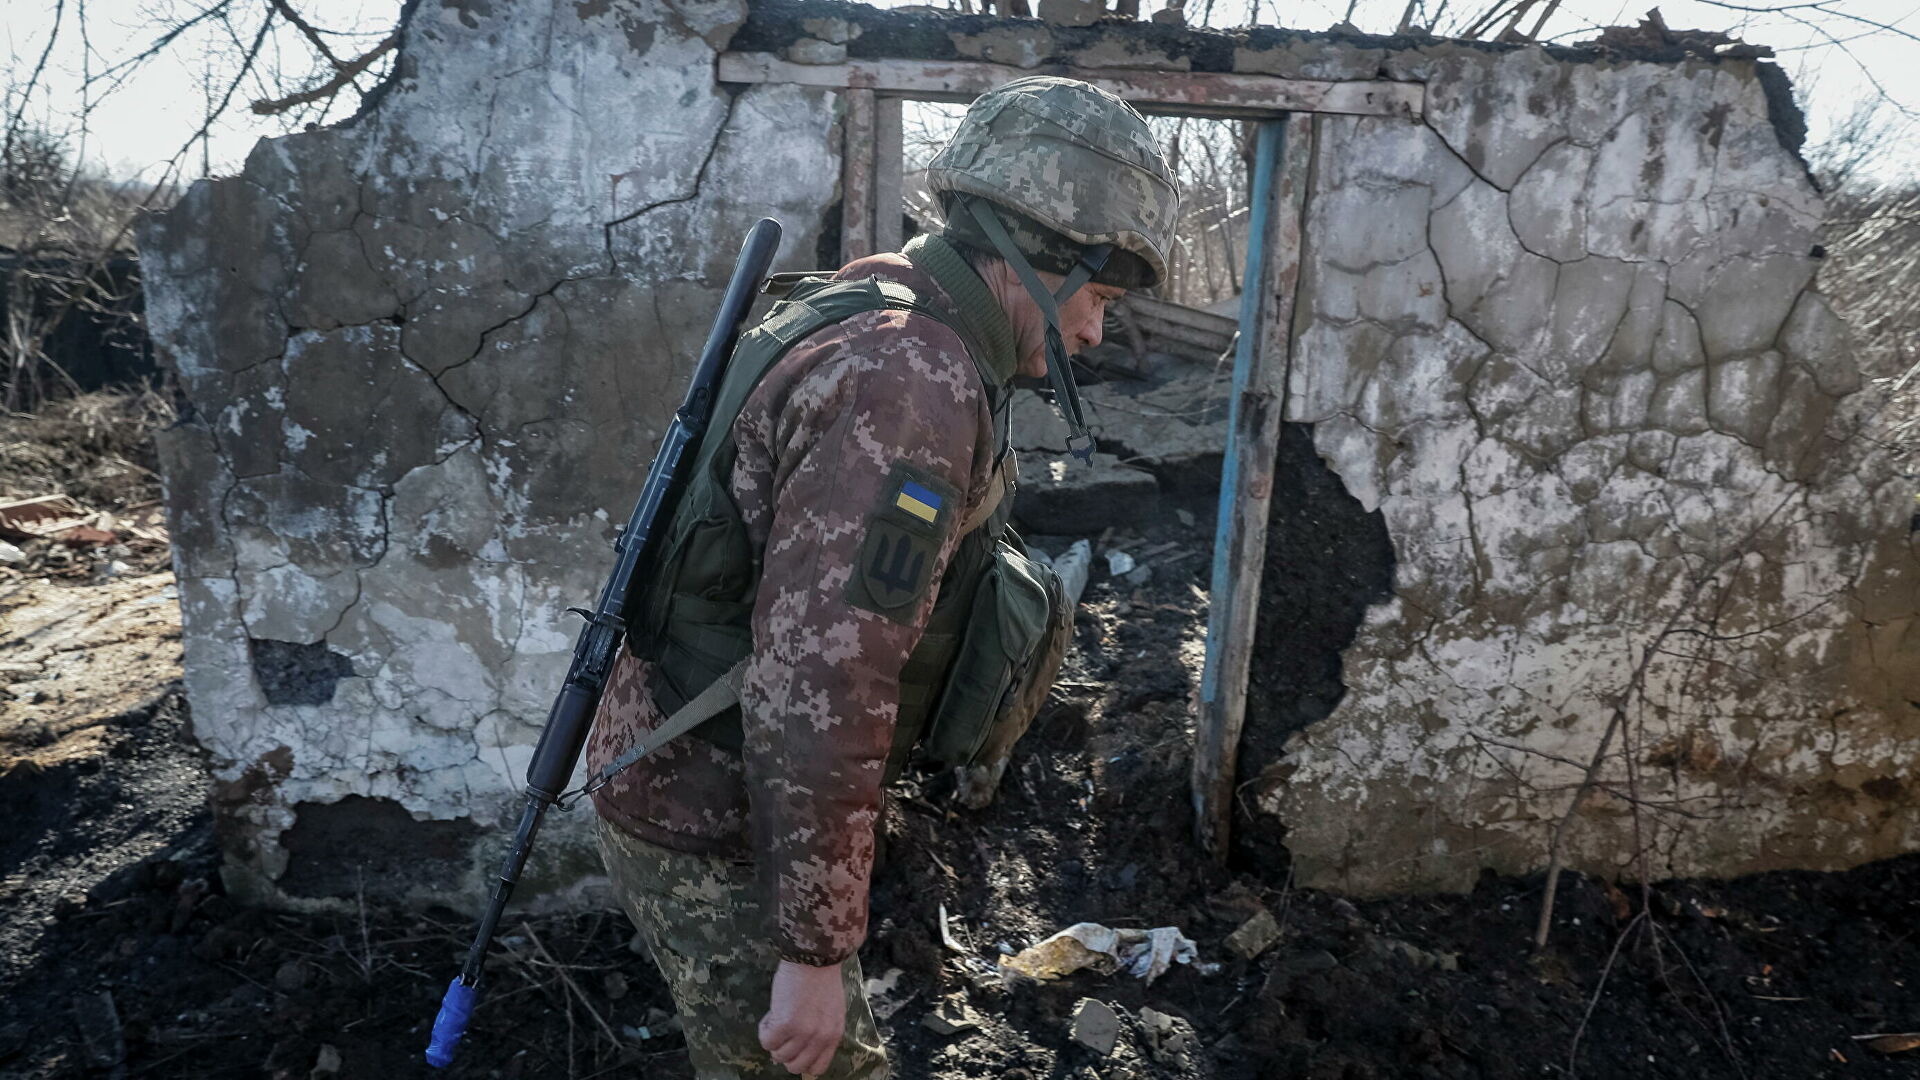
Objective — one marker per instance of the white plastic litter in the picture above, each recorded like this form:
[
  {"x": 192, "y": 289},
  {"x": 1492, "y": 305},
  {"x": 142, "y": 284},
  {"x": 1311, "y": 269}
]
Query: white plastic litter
[{"x": 1144, "y": 954}]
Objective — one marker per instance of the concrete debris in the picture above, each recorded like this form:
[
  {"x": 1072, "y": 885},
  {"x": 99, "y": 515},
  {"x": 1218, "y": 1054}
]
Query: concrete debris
[
  {"x": 1174, "y": 14},
  {"x": 1096, "y": 1026},
  {"x": 834, "y": 30},
  {"x": 1420, "y": 959},
  {"x": 1170, "y": 1039},
  {"x": 11, "y": 555},
  {"x": 326, "y": 1063},
  {"x": 950, "y": 1016},
  {"x": 1145, "y": 954},
  {"x": 1073, "y": 568},
  {"x": 883, "y": 993},
  {"x": 1255, "y": 936},
  {"x": 1119, "y": 563}
]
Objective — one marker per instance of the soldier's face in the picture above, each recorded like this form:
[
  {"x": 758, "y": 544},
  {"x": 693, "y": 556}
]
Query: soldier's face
[{"x": 1081, "y": 319}]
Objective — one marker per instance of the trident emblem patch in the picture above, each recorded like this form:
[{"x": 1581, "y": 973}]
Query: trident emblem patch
[{"x": 904, "y": 532}]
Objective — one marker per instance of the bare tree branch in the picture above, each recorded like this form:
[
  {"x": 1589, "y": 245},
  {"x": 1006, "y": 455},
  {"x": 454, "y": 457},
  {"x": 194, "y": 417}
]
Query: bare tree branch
[
  {"x": 332, "y": 86},
  {"x": 18, "y": 115}
]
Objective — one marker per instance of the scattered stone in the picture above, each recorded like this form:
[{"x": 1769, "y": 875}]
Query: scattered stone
[
  {"x": 1173, "y": 14},
  {"x": 1119, "y": 563},
  {"x": 102, "y": 1041},
  {"x": 884, "y": 996},
  {"x": 950, "y": 1016},
  {"x": 834, "y": 30},
  {"x": 1420, "y": 959},
  {"x": 1255, "y": 936},
  {"x": 814, "y": 51},
  {"x": 10, "y": 554},
  {"x": 291, "y": 977},
  {"x": 1072, "y": 566},
  {"x": 1170, "y": 1039},
  {"x": 1139, "y": 575},
  {"x": 615, "y": 984},
  {"x": 326, "y": 1063},
  {"x": 1095, "y": 1026},
  {"x": 1186, "y": 518}
]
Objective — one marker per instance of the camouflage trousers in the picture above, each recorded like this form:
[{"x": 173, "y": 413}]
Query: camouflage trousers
[{"x": 702, "y": 921}]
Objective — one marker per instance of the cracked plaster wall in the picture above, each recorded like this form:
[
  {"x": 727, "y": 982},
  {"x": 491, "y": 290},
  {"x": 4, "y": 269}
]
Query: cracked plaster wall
[
  {"x": 1577, "y": 360},
  {"x": 429, "y": 354},
  {"x": 1574, "y": 360}
]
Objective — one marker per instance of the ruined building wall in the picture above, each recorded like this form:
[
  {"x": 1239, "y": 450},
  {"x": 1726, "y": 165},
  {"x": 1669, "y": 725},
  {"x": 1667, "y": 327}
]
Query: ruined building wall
[
  {"x": 1574, "y": 365},
  {"x": 429, "y": 354},
  {"x": 1560, "y": 379}
]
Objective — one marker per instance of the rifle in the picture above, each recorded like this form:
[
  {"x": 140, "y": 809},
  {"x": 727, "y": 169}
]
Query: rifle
[{"x": 593, "y": 651}]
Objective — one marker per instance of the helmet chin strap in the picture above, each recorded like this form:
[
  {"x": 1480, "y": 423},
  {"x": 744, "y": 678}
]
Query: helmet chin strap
[{"x": 1066, "y": 394}]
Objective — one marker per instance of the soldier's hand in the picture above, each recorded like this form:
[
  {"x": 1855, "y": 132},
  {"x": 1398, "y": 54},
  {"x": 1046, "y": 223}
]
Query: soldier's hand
[{"x": 805, "y": 1019}]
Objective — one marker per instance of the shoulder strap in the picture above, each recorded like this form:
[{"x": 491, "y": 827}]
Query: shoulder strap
[{"x": 720, "y": 695}]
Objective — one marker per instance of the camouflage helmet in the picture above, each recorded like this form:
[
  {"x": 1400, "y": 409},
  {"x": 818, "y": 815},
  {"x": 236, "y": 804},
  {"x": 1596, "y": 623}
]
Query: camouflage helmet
[{"x": 1060, "y": 156}]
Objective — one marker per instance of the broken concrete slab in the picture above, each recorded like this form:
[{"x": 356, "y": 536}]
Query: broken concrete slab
[
  {"x": 1096, "y": 1026},
  {"x": 1255, "y": 936},
  {"x": 1060, "y": 495},
  {"x": 950, "y": 1016}
]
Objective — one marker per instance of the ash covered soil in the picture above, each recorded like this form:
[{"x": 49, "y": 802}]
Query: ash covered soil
[
  {"x": 120, "y": 955},
  {"x": 123, "y": 957}
]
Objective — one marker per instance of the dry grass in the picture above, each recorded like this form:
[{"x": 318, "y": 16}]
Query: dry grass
[
  {"x": 96, "y": 447},
  {"x": 1872, "y": 276}
]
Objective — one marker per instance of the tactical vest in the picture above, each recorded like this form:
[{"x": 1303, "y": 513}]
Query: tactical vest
[{"x": 693, "y": 616}]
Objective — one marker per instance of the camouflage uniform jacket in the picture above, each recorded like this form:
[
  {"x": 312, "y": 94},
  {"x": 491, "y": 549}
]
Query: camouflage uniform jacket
[{"x": 818, "y": 439}]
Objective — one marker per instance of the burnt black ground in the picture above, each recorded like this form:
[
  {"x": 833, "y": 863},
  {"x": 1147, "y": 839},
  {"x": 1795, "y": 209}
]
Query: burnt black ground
[{"x": 1765, "y": 977}]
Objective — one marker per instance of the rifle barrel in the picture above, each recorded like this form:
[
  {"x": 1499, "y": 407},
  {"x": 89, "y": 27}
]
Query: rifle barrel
[{"x": 571, "y": 717}]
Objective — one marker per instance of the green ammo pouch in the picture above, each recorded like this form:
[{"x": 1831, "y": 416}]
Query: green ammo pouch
[{"x": 1016, "y": 607}]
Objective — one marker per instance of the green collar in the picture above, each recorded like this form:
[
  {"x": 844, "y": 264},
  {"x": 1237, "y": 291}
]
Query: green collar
[{"x": 979, "y": 313}]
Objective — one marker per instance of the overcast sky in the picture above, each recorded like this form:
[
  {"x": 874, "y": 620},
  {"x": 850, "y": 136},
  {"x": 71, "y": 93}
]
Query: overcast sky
[{"x": 148, "y": 119}]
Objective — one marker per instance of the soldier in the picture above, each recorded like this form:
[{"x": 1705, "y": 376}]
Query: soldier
[{"x": 858, "y": 486}]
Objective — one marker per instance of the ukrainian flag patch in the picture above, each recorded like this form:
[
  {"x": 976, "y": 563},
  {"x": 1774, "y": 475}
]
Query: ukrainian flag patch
[{"x": 919, "y": 502}]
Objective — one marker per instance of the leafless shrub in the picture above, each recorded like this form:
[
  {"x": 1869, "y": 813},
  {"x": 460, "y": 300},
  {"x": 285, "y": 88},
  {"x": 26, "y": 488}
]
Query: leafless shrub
[
  {"x": 1872, "y": 271},
  {"x": 62, "y": 226}
]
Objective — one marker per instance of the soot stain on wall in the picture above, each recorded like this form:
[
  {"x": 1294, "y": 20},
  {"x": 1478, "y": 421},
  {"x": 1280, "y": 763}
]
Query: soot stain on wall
[
  {"x": 291, "y": 673},
  {"x": 333, "y": 849},
  {"x": 1328, "y": 559}
]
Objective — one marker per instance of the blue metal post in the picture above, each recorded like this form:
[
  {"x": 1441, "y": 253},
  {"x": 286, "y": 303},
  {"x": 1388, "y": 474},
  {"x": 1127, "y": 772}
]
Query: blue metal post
[{"x": 1220, "y": 601}]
